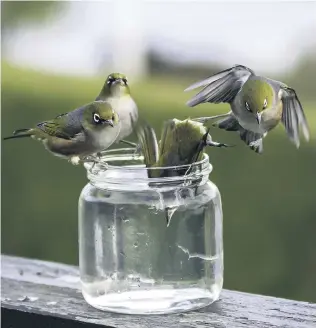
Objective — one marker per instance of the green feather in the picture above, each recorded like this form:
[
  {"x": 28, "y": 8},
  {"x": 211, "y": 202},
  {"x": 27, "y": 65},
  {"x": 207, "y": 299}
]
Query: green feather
[
  {"x": 256, "y": 92},
  {"x": 112, "y": 82}
]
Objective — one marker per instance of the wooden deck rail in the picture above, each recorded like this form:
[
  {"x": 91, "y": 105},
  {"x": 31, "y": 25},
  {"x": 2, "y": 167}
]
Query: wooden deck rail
[{"x": 39, "y": 294}]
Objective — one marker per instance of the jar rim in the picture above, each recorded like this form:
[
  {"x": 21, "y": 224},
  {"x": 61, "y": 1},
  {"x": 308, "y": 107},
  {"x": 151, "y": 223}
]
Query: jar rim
[
  {"x": 104, "y": 172},
  {"x": 88, "y": 165}
]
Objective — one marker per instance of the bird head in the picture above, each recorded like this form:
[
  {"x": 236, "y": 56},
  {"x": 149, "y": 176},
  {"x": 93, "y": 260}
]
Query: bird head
[
  {"x": 100, "y": 115},
  {"x": 117, "y": 84},
  {"x": 258, "y": 96}
]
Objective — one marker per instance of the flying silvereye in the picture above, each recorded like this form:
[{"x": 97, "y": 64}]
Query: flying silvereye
[
  {"x": 181, "y": 143},
  {"x": 116, "y": 91},
  {"x": 257, "y": 104},
  {"x": 77, "y": 134}
]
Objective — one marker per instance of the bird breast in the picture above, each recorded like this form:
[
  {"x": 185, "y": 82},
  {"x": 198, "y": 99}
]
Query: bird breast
[
  {"x": 104, "y": 138},
  {"x": 125, "y": 107}
]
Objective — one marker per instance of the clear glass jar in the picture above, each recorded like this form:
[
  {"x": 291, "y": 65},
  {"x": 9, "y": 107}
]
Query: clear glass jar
[{"x": 131, "y": 261}]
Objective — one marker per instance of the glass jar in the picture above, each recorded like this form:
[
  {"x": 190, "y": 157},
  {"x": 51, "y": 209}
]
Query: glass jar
[{"x": 131, "y": 260}]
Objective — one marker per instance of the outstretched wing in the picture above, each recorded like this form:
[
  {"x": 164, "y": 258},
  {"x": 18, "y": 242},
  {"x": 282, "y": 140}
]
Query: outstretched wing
[
  {"x": 65, "y": 126},
  {"x": 221, "y": 87},
  {"x": 293, "y": 117}
]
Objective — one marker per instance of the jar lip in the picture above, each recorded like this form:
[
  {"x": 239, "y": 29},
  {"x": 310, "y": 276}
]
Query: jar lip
[
  {"x": 137, "y": 172},
  {"x": 130, "y": 153}
]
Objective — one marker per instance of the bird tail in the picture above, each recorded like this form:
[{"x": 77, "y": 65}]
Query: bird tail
[{"x": 21, "y": 133}]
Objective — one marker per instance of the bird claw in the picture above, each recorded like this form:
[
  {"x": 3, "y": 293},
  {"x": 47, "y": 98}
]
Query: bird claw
[
  {"x": 95, "y": 159},
  {"x": 255, "y": 143},
  {"x": 218, "y": 144},
  {"x": 129, "y": 143},
  {"x": 138, "y": 150}
]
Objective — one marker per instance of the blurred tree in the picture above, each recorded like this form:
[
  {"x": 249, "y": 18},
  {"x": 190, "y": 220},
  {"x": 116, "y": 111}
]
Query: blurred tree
[
  {"x": 159, "y": 64},
  {"x": 17, "y": 13},
  {"x": 303, "y": 75}
]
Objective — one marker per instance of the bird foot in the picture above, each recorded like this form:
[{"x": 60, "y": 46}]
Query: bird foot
[
  {"x": 129, "y": 143},
  {"x": 138, "y": 150}
]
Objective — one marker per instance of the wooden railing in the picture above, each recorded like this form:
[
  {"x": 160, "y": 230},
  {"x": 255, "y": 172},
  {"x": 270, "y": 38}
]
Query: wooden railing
[{"x": 39, "y": 294}]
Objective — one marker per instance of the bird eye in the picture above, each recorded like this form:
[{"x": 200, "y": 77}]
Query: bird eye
[
  {"x": 113, "y": 117},
  {"x": 247, "y": 106},
  {"x": 96, "y": 118},
  {"x": 265, "y": 103},
  {"x": 110, "y": 80},
  {"x": 124, "y": 80}
]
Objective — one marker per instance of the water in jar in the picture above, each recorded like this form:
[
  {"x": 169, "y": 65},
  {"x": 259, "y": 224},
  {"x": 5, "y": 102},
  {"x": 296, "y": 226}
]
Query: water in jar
[{"x": 132, "y": 262}]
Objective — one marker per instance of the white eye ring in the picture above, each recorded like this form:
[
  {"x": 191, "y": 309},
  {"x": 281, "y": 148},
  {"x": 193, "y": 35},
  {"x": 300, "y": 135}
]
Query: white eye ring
[
  {"x": 96, "y": 118},
  {"x": 265, "y": 103},
  {"x": 247, "y": 106}
]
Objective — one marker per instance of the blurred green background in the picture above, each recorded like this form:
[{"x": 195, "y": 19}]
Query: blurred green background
[{"x": 269, "y": 201}]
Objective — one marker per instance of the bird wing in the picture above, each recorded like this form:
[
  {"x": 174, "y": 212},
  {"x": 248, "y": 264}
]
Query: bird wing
[
  {"x": 221, "y": 87},
  {"x": 65, "y": 126},
  {"x": 293, "y": 116}
]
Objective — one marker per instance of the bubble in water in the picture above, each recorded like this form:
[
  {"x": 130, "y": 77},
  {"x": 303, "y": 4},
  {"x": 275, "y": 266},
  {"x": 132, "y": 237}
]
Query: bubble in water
[{"x": 135, "y": 245}]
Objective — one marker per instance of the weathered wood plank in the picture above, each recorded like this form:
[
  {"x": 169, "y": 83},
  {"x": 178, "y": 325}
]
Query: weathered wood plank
[{"x": 50, "y": 293}]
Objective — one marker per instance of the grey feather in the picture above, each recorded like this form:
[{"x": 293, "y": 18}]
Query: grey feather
[
  {"x": 253, "y": 140},
  {"x": 293, "y": 116},
  {"x": 229, "y": 124},
  {"x": 221, "y": 87},
  {"x": 205, "y": 119},
  {"x": 65, "y": 126}
]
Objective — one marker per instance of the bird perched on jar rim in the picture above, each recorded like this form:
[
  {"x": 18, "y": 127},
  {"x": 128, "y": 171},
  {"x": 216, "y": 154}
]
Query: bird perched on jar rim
[
  {"x": 258, "y": 104},
  {"x": 182, "y": 144},
  {"x": 77, "y": 134},
  {"x": 117, "y": 92}
]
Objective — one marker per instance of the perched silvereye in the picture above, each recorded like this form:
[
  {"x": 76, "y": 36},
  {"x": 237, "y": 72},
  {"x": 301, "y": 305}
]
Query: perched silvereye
[
  {"x": 77, "y": 134},
  {"x": 181, "y": 143},
  {"x": 257, "y": 104},
  {"x": 117, "y": 92}
]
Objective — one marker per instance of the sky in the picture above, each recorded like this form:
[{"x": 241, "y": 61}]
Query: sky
[{"x": 268, "y": 36}]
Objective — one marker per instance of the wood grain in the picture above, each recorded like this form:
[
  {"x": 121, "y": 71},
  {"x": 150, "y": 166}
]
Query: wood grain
[{"x": 46, "y": 294}]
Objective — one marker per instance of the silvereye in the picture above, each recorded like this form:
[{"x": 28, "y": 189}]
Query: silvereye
[
  {"x": 77, "y": 134},
  {"x": 181, "y": 143},
  {"x": 257, "y": 105},
  {"x": 116, "y": 91}
]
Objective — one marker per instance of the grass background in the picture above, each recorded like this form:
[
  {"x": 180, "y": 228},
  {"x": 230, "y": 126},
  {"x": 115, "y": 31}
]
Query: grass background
[{"x": 268, "y": 200}]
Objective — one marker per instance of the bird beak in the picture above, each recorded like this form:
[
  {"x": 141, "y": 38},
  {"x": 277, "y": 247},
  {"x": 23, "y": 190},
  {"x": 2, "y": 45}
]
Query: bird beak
[
  {"x": 119, "y": 81},
  {"x": 109, "y": 122},
  {"x": 259, "y": 117}
]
